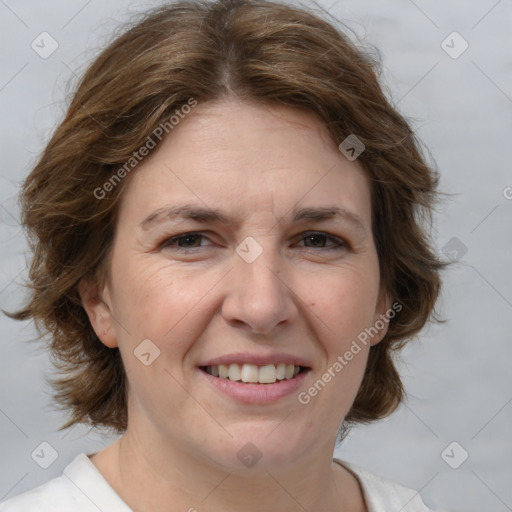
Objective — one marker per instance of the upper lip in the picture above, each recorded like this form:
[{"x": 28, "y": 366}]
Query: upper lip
[{"x": 257, "y": 359}]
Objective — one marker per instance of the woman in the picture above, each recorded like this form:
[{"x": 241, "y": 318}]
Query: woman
[{"x": 227, "y": 251}]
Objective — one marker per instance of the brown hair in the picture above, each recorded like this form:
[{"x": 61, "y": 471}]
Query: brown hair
[{"x": 260, "y": 51}]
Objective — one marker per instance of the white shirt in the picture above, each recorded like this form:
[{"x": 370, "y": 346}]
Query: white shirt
[{"x": 82, "y": 488}]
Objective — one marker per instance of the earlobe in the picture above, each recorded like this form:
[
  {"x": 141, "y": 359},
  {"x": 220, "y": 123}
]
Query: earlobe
[{"x": 96, "y": 305}]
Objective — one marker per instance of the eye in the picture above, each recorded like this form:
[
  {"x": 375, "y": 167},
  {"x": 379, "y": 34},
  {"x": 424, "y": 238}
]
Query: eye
[
  {"x": 185, "y": 241},
  {"x": 312, "y": 240},
  {"x": 319, "y": 240}
]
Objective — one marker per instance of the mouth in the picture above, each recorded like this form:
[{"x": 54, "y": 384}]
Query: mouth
[
  {"x": 254, "y": 374},
  {"x": 257, "y": 382}
]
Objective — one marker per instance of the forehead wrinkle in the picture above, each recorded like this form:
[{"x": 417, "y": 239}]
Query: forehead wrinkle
[{"x": 205, "y": 214}]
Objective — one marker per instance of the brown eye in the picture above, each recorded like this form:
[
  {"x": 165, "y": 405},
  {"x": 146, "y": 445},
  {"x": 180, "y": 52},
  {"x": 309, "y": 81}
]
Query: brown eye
[
  {"x": 185, "y": 241},
  {"x": 320, "y": 241}
]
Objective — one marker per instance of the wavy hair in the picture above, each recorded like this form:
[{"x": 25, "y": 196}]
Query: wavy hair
[{"x": 259, "y": 51}]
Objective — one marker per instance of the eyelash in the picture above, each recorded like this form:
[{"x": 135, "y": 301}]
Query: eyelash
[{"x": 339, "y": 243}]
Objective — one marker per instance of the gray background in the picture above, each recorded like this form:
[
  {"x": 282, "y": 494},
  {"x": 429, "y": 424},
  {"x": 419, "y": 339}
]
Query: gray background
[{"x": 458, "y": 374}]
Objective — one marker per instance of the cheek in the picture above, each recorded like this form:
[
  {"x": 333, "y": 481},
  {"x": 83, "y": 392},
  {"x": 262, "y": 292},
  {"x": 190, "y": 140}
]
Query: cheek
[
  {"x": 145, "y": 290},
  {"x": 163, "y": 303},
  {"x": 344, "y": 306},
  {"x": 344, "y": 302}
]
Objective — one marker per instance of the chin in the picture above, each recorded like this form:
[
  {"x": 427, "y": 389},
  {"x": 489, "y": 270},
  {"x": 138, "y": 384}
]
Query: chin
[{"x": 259, "y": 445}]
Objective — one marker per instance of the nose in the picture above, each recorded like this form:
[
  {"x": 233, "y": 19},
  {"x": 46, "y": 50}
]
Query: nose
[{"x": 258, "y": 298}]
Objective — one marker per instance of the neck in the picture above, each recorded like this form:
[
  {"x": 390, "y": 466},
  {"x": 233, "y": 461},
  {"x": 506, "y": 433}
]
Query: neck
[{"x": 165, "y": 480}]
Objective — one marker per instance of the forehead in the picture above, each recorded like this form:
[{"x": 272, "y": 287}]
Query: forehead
[{"x": 248, "y": 158}]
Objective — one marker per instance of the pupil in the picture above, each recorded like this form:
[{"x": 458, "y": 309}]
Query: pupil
[
  {"x": 189, "y": 240},
  {"x": 318, "y": 238}
]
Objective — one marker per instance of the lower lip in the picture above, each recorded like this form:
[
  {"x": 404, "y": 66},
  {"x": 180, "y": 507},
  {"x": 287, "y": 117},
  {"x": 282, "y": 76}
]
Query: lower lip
[{"x": 256, "y": 393}]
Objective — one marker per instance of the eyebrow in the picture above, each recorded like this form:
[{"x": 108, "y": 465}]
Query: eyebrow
[{"x": 205, "y": 214}]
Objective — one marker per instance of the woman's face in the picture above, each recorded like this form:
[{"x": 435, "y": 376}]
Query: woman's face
[{"x": 245, "y": 239}]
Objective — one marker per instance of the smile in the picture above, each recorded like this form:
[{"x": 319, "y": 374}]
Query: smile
[
  {"x": 250, "y": 383},
  {"x": 251, "y": 373}
]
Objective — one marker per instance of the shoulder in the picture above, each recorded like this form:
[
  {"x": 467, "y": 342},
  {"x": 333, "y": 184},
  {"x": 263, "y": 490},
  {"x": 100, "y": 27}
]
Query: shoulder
[
  {"x": 52, "y": 496},
  {"x": 80, "y": 488},
  {"x": 383, "y": 495}
]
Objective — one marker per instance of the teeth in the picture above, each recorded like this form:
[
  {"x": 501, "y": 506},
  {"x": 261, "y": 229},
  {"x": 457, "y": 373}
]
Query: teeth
[
  {"x": 268, "y": 374},
  {"x": 249, "y": 373},
  {"x": 234, "y": 372},
  {"x": 223, "y": 371},
  {"x": 252, "y": 373}
]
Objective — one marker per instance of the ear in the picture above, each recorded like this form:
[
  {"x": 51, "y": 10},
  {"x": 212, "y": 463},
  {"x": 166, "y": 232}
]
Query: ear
[
  {"x": 97, "y": 305},
  {"x": 381, "y": 318}
]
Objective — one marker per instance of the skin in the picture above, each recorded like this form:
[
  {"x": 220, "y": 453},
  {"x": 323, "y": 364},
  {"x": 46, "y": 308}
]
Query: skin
[{"x": 180, "y": 449}]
